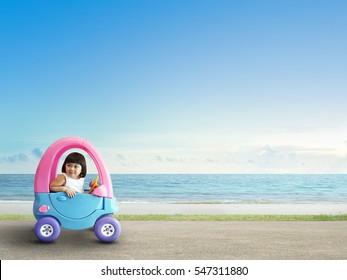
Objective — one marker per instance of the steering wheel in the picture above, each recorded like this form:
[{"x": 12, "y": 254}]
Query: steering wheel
[{"x": 94, "y": 184}]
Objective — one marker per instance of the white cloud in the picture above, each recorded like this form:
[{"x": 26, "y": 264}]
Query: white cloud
[
  {"x": 267, "y": 158},
  {"x": 268, "y": 151},
  {"x": 120, "y": 157},
  {"x": 37, "y": 152},
  {"x": 20, "y": 157},
  {"x": 212, "y": 157},
  {"x": 273, "y": 159}
]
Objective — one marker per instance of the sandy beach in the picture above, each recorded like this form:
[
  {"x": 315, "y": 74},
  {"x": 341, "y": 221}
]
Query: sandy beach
[{"x": 25, "y": 208}]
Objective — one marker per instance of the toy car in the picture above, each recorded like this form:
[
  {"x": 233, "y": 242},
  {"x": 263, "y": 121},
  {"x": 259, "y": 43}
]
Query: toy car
[{"x": 54, "y": 210}]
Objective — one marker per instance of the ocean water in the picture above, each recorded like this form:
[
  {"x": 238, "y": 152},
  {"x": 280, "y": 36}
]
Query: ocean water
[{"x": 191, "y": 188}]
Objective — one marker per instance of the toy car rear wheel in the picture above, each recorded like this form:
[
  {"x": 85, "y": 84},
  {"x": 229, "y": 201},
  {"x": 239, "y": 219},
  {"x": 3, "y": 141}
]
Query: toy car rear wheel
[
  {"x": 47, "y": 229},
  {"x": 107, "y": 229}
]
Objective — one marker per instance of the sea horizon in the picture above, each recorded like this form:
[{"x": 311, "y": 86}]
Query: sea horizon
[{"x": 204, "y": 188}]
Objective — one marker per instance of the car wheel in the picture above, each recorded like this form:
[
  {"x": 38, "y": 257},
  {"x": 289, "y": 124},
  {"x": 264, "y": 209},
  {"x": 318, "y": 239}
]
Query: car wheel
[
  {"x": 47, "y": 229},
  {"x": 107, "y": 229}
]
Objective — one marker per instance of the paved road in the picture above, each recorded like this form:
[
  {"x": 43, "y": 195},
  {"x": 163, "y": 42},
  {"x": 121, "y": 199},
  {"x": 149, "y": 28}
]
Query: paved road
[{"x": 184, "y": 240}]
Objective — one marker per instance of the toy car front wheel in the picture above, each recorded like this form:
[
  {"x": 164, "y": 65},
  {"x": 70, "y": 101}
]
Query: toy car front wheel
[
  {"x": 47, "y": 229},
  {"x": 107, "y": 229}
]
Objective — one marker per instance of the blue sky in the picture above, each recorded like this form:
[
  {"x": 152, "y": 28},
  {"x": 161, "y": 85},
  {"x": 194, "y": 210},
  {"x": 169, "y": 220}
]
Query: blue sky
[{"x": 177, "y": 86}]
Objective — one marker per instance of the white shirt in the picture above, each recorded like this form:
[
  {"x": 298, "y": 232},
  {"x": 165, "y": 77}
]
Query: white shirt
[{"x": 75, "y": 184}]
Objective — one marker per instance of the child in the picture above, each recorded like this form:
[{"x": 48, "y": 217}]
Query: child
[{"x": 71, "y": 180}]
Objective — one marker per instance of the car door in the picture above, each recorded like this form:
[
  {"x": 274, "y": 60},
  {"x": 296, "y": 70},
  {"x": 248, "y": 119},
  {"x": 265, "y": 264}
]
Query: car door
[{"x": 77, "y": 207}]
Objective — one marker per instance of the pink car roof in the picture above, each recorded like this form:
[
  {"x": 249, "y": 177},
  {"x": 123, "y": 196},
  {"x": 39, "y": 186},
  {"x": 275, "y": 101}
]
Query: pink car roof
[{"x": 48, "y": 165}]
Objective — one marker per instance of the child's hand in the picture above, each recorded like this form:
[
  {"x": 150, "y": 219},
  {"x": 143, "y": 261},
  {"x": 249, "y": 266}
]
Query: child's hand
[{"x": 70, "y": 192}]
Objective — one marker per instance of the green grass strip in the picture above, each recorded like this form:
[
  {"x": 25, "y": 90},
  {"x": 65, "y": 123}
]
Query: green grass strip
[
  {"x": 16, "y": 217},
  {"x": 179, "y": 217}
]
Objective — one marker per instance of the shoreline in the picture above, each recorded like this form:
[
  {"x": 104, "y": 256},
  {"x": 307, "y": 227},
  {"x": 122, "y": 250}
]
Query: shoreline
[{"x": 25, "y": 208}]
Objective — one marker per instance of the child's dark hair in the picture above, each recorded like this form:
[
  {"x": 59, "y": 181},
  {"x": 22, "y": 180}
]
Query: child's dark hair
[{"x": 76, "y": 158}]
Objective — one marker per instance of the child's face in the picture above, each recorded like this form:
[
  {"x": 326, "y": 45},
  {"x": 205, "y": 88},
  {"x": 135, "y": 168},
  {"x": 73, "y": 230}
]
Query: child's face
[{"x": 73, "y": 170}]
